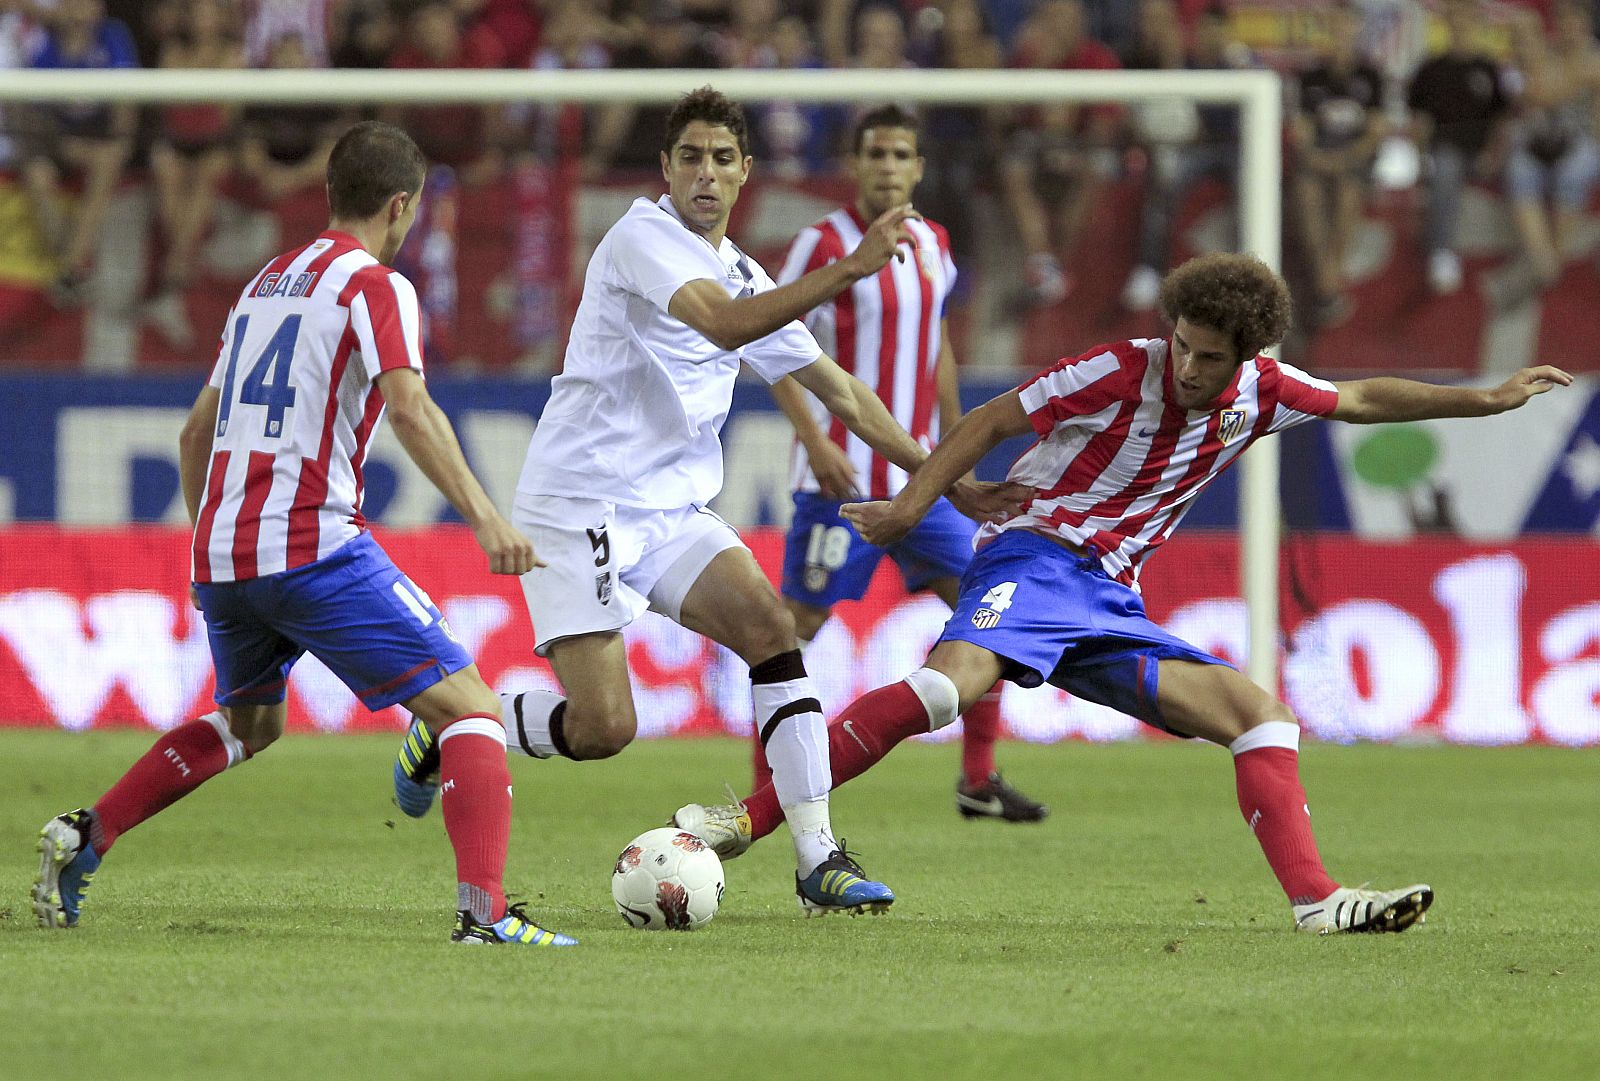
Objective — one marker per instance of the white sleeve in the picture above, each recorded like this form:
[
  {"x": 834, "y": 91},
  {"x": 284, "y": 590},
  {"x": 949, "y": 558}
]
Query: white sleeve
[
  {"x": 786, "y": 349},
  {"x": 654, "y": 256}
]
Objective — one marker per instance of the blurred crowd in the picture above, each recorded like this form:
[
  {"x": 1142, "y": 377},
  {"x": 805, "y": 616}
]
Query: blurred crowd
[{"x": 1500, "y": 97}]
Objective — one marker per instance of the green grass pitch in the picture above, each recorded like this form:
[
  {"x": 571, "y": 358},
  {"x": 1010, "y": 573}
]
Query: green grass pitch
[{"x": 287, "y": 922}]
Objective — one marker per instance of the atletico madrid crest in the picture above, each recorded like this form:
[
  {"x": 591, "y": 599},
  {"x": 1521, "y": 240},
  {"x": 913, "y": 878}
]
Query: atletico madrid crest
[
  {"x": 602, "y": 587},
  {"x": 1229, "y": 427},
  {"x": 984, "y": 618}
]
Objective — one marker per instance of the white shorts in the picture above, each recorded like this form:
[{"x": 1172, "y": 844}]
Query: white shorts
[{"x": 606, "y": 564}]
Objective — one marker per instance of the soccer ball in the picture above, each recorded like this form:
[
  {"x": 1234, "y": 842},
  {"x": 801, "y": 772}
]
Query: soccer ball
[{"x": 667, "y": 880}]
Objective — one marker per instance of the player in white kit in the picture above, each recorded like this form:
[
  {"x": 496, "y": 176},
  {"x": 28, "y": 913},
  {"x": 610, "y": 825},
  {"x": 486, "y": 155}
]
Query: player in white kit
[{"x": 627, "y": 455}]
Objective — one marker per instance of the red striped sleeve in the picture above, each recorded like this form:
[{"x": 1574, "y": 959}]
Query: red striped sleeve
[
  {"x": 1298, "y": 392},
  {"x": 1085, "y": 384},
  {"x": 388, "y": 313}
]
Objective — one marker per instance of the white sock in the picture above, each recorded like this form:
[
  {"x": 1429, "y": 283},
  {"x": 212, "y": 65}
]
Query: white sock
[
  {"x": 793, "y": 731},
  {"x": 527, "y": 717},
  {"x": 795, "y": 736},
  {"x": 813, "y": 835}
]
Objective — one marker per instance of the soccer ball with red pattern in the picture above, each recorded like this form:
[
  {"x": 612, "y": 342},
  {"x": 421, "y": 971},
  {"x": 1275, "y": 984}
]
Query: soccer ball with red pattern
[{"x": 667, "y": 880}]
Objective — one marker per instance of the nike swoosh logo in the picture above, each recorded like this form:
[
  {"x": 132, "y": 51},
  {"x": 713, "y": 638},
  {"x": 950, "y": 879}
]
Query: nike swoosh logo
[
  {"x": 849, "y": 730},
  {"x": 1146, "y": 433},
  {"x": 992, "y": 805}
]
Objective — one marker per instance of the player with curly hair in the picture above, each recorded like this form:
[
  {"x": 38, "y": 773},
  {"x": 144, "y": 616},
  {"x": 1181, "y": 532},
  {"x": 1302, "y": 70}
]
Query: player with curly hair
[{"x": 1128, "y": 435}]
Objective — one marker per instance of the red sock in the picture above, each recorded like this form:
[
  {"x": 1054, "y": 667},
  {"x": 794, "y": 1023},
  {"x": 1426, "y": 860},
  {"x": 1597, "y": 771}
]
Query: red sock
[
  {"x": 180, "y": 762},
  {"x": 980, "y": 727},
  {"x": 866, "y": 731},
  {"x": 1274, "y": 804},
  {"x": 475, "y": 796}
]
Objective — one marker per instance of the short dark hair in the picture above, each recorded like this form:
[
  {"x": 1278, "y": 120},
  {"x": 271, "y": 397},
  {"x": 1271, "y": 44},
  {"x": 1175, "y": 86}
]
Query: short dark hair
[
  {"x": 371, "y": 163},
  {"x": 713, "y": 107},
  {"x": 884, "y": 116},
  {"x": 1236, "y": 294}
]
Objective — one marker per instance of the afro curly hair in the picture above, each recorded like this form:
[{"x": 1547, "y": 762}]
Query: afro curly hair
[{"x": 1236, "y": 294}]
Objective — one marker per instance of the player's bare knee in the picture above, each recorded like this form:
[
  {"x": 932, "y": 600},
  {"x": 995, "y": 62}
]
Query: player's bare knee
[
  {"x": 1267, "y": 710},
  {"x": 256, "y": 727},
  {"x": 767, "y": 636},
  {"x": 602, "y": 732}
]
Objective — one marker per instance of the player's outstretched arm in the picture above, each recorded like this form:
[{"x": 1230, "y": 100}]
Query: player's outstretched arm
[
  {"x": 861, "y": 411},
  {"x": 977, "y": 433},
  {"x": 425, "y": 433},
  {"x": 836, "y": 476},
  {"x": 730, "y": 323},
  {"x": 1386, "y": 399}
]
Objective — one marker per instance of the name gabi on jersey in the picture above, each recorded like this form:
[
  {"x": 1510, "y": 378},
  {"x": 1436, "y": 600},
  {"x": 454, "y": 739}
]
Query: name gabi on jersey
[{"x": 283, "y": 285}]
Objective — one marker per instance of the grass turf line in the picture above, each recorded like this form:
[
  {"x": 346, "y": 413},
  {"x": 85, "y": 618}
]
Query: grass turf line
[{"x": 287, "y": 921}]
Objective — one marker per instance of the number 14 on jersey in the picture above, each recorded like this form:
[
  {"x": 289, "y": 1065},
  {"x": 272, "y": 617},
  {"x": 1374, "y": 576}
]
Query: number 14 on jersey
[{"x": 267, "y": 381}]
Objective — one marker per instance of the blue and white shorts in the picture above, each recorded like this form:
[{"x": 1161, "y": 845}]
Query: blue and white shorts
[
  {"x": 826, "y": 561},
  {"x": 352, "y": 609},
  {"x": 1055, "y": 616}
]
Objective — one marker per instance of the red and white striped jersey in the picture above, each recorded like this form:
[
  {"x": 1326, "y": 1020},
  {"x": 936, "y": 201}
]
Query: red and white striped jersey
[
  {"x": 885, "y": 331},
  {"x": 1118, "y": 464},
  {"x": 298, "y": 407}
]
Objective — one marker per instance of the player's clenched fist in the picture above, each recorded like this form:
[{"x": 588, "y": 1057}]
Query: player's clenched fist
[
  {"x": 508, "y": 550},
  {"x": 876, "y": 522}
]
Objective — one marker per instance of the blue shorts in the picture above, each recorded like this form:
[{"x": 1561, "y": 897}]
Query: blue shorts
[
  {"x": 825, "y": 561},
  {"x": 1052, "y": 615},
  {"x": 353, "y": 610}
]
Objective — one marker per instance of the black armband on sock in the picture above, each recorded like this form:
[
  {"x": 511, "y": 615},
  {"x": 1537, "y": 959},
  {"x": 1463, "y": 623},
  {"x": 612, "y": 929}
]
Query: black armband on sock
[
  {"x": 558, "y": 734},
  {"x": 779, "y": 669},
  {"x": 522, "y": 734}
]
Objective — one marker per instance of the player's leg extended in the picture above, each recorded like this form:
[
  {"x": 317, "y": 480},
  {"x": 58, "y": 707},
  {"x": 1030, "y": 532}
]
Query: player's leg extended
[
  {"x": 732, "y": 603},
  {"x": 808, "y": 622},
  {"x": 252, "y": 662},
  {"x": 956, "y": 674},
  {"x": 1219, "y": 704},
  {"x": 594, "y": 719},
  {"x": 825, "y": 561},
  {"x": 72, "y": 845},
  {"x": 579, "y": 602},
  {"x": 981, "y": 791},
  {"x": 475, "y": 796}
]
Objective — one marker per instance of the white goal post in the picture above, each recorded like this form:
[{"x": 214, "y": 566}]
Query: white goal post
[{"x": 1258, "y": 95}]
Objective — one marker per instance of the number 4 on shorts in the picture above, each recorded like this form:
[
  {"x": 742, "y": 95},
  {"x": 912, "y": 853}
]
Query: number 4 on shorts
[{"x": 999, "y": 598}]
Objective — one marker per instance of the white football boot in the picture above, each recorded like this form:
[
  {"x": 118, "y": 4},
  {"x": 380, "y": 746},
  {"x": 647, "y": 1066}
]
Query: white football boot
[
  {"x": 726, "y": 828},
  {"x": 1364, "y": 910}
]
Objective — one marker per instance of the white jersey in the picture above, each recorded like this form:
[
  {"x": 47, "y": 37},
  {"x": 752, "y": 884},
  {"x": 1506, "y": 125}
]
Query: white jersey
[
  {"x": 298, "y": 406},
  {"x": 635, "y": 414}
]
